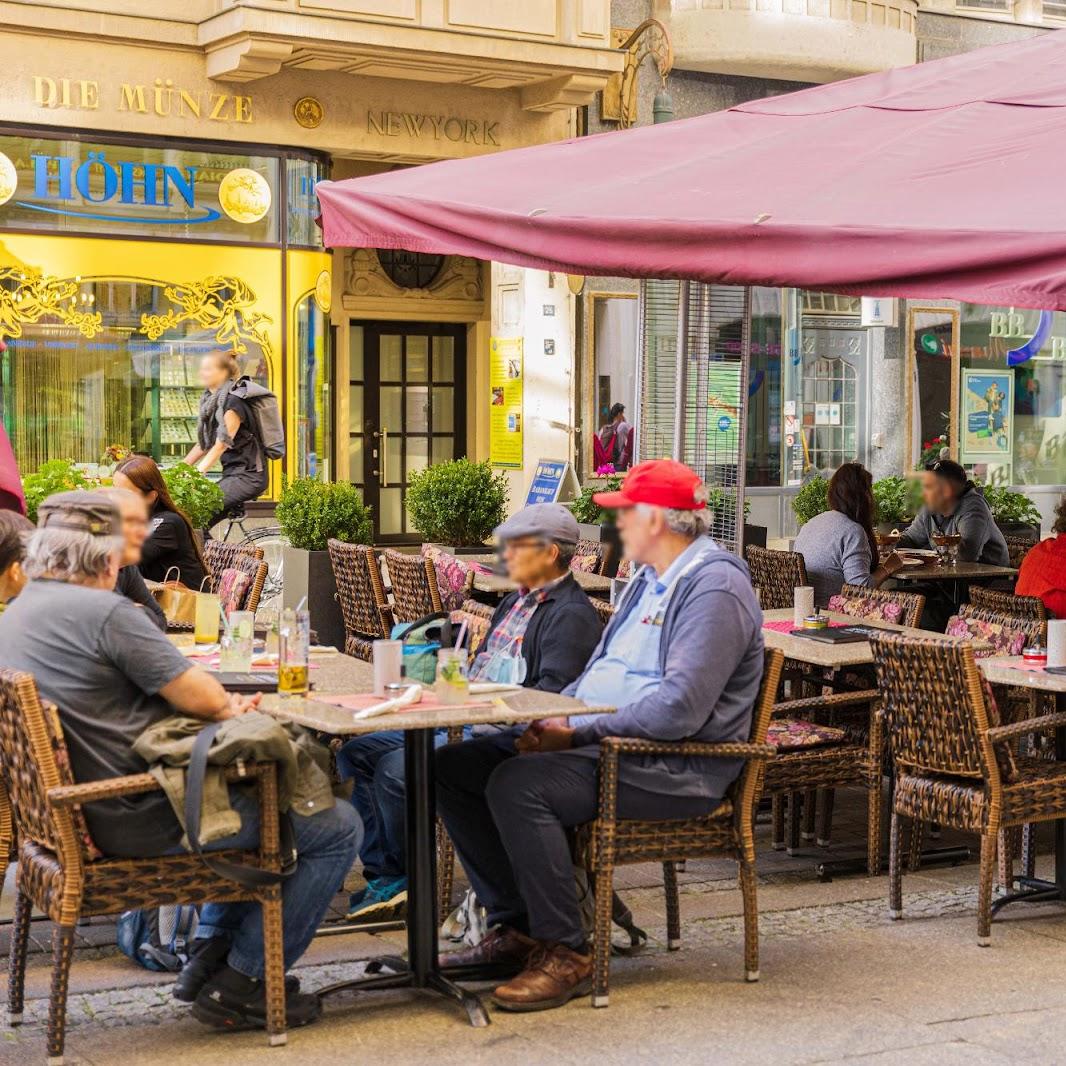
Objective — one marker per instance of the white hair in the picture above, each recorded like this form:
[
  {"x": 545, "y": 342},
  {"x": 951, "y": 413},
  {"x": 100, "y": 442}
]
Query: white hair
[
  {"x": 69, "y": 555},
  {"x": 691, "y": 524}
]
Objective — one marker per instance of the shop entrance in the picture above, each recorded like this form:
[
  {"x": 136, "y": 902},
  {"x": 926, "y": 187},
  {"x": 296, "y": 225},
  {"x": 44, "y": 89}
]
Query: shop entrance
[{"x": 407, "y": 409}]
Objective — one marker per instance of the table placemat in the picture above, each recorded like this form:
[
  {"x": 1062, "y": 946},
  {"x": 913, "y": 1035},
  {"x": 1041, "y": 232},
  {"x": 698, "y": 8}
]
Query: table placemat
[
  {"x": 787, "y": 627},
  {"x": 359, "y": 701}
]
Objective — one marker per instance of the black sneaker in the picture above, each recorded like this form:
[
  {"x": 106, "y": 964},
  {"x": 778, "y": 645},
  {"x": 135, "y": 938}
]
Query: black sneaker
[
  {"x": 206, "y": 957},
  {"x": 232, "y": 1001}
]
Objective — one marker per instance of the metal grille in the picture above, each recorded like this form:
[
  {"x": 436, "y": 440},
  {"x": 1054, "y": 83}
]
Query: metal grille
[{"x": 694, "y": 390}]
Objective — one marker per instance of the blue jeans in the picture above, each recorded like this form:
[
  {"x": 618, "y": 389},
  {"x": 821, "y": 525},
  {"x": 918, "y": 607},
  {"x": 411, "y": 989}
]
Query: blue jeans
[
  {"x": 374, "y": 764},
  {"x": 326, "y": 846}
]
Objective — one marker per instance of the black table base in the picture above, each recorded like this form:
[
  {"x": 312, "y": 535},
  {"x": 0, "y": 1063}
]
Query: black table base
[{"x": 420, "y": 970}]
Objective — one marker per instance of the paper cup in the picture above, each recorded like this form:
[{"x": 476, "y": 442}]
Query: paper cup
[
  {"x": 803, "y": 604},
  {"x": 1056, "y": 642},
  {"x": 388, "y": 664}
]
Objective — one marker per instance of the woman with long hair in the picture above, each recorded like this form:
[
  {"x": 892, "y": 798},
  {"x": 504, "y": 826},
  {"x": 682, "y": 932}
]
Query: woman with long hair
[
  {"x": 171, "y": 539},
  {"x": 225, "y": 433},
  {"x": 839, "y": 546}
]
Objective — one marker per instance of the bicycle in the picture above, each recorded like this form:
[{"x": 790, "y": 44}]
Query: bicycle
[{"x": 272, "y": 541}]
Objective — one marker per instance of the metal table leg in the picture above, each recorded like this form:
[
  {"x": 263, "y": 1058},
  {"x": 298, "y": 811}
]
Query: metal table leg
[
  {"x": 1035, "y": 889},
  {"x": 421, "y": 970}
]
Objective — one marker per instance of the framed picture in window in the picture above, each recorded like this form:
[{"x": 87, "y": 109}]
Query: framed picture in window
[{"x": 987, "y": 416}]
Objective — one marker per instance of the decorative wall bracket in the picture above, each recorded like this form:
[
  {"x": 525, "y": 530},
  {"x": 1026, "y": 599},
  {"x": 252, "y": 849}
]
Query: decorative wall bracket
[{"x": 619, "y": 98}]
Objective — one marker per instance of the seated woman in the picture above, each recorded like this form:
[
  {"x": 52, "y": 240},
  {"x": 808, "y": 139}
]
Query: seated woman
[
  {"x": 14, "y": 529},
  {"x": 171, "y": 542},
  {"x": 1043, "y": 570},
  {"x": 838, "y": 546}
]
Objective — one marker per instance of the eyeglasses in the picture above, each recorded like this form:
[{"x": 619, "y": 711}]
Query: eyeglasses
[{"x": 525, "y": 542}]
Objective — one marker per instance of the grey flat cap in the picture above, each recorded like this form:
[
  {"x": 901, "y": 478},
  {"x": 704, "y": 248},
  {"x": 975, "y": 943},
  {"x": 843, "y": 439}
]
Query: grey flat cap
[
  {"x": 82, "y": 511},
  {"x": 552, "y": 521}
]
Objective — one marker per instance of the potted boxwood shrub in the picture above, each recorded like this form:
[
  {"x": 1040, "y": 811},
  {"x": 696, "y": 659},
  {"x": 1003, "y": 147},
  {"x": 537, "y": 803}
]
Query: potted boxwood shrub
[
  {"x": 896, "y": 502},
  {"x": 310, "y": 513},
  {"x": 812, "y": 499},
  {"x": 1015, "y": 514},
  {"x": 458, "y": 504}
]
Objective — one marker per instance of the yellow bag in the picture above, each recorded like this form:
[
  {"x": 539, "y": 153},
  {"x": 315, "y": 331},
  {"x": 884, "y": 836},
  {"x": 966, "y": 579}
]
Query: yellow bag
[{"x": 177, "y": 601}]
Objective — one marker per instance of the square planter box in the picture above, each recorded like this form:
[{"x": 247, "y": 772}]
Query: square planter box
[{"x": 310, "y": 574}]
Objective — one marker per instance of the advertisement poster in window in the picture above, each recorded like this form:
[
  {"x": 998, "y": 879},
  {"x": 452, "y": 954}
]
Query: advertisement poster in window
[
  {"x": 505, "y": 411},
  {"x": 987, "y": 429},
  {"x": 723, "y": 422}
]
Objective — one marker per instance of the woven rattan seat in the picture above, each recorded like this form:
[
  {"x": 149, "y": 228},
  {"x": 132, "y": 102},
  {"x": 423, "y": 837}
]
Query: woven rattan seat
[
  {"x": 361, "y": 592},
  {"x": 64, "y": 876},
  {"x": 414, "y": 586},
  {"x": 775, "y": 575},
  {"x": 222, "y": 555},
  {"x": 609, "y": 841}
]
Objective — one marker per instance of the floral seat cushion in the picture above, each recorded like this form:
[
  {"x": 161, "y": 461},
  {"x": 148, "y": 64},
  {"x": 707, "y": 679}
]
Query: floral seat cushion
[
  {"x": 1004, "y": 640},
  {"x": 792, "y": 734},
  {"x": 454, "y": 577},
  {"x": 871, "y": 607},
  {"x": 590, "y": 564},
  {"x": 233, "y": 588}
]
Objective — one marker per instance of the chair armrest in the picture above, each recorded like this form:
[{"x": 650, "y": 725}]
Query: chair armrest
[
  {"x": 998, "y": 734},
  {"x": 614, "y": 746},
  {"x": 111, "y": 788},
  {"x": 820, "y": 703}
]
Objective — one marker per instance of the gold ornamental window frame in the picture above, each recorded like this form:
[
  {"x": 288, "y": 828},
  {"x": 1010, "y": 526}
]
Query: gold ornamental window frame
[
  {"x": 588, "y": 373},
  {"x": 953, "y": 314}
]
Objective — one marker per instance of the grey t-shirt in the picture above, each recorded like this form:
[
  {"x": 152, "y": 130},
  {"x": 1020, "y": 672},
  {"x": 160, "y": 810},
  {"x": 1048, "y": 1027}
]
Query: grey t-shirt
[{"x": 102, "y": 662}]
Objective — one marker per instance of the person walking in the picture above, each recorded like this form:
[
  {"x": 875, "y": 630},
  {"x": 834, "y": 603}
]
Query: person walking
[
  {"x": 226, "y": 433},
  {"x": 615, "y": 441}
]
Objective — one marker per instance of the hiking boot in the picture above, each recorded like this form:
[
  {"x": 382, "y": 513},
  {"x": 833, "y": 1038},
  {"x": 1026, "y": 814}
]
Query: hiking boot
[
  {"x": 554, "y": 975},
  {"x": 384, "y": 900},
  {"x": 232, "y": 1001},
  {"x": 206, "y": 957},
  {"x": 502, "y": 947}
]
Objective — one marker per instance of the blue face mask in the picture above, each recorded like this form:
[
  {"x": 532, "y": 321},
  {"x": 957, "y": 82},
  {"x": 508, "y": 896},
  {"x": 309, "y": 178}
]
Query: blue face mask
[{"x": 503, "y": 668}]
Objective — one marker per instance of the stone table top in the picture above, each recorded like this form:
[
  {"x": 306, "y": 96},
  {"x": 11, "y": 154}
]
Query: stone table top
[{"x": 1011, "y": 670}]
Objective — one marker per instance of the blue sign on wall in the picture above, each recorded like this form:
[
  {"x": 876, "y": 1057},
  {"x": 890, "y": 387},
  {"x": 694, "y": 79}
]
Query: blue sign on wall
[{"x": 547, "y": 481}]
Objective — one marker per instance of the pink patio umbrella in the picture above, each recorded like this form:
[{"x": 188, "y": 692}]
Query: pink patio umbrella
[
  {"x": 937, "y": 180},
  {"x": 11, "y": 496}
]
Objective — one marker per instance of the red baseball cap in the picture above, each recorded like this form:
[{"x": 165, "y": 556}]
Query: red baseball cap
[{"x": 662, "y": 482}]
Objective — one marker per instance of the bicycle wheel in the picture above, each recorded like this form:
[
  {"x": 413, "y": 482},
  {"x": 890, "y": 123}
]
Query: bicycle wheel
[{"x": 273, "y": 542}]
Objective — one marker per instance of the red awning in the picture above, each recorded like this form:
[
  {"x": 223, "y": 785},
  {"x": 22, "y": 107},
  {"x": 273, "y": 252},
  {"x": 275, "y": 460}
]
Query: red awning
[{"x": 942, "y": 180}]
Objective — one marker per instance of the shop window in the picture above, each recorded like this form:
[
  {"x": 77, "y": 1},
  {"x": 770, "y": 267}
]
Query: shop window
[
  {"x": 613, "y": 322},
  {"x": 314, "y": 438},
  {"x": 301, "y": 206},
  {"x": 764, "y": 436},
  {"x": 97, "y": 362}
]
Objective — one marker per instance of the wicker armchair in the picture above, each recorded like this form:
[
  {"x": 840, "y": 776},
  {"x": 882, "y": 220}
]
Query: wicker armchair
[
  {"x": 880, "y": 605},
  {"x": 1018, "y": 549},
  {"x": 361, "y": 592},
  {"x": 604, "y": 610},
  {"x": 775, "y": 576},
  {"x": 954, "y": 763},
  {"x": 221, "y": 555},
  {"x": 589, "y": 555},
  {"x": 1022, "y": 606},
  {"x": 414, "y": 586},
  {"x": 62, "y": 874},
  {"x": 727, "y": 831},
  {"x": 7, "y": 834}
]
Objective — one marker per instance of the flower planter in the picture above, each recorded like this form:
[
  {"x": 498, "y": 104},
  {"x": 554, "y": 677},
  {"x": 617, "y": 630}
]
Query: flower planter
[{"x": 310, "y": 574}]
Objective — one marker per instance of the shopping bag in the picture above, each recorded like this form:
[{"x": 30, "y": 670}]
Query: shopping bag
[{"x": 177, "y": 601}]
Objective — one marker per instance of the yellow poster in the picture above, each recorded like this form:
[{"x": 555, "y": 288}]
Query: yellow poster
[{"x": 505, "y": 413}]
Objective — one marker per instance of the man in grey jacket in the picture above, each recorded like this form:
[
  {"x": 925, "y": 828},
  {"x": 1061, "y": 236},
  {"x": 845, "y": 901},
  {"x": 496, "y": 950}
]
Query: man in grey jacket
[
  {"x": 953, "y": 504},
  {"x": 681, "y": 660}
]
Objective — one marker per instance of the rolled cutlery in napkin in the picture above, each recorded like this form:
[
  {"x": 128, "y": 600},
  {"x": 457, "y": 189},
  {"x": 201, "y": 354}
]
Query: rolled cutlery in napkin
[{"x": 411, "y": 695}]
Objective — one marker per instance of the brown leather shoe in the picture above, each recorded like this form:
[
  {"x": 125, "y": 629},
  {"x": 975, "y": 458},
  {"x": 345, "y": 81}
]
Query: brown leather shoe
[
  {"x": 502, "y": 947},
  {"x": 553, "y": 976}
]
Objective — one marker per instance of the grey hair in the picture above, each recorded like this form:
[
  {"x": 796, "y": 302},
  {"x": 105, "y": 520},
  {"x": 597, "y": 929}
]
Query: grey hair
[
  {"x": 567, "y": 551},
  {"x": 69, "y": 555},
  {"x": 691, "y": 524}
]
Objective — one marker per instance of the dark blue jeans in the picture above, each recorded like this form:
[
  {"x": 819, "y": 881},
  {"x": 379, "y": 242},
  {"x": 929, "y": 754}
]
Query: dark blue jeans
[
  {"x": 374, "y": 764},
  {"x": 326, "y": 846}
]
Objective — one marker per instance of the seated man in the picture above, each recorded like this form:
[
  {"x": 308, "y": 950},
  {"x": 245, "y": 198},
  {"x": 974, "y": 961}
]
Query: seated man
[
  {"x": 540, "y": 636},
  {"x": 681, "y": 660},
  {"x": 112, "y": 674},
  {"x": 952, "y": 503},
  {"x": 134, "y": 513}
]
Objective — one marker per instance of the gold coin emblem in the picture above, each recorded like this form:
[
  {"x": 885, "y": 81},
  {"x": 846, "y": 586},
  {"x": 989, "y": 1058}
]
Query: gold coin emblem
[
  {"x": 309, "y": 112},
  {"x": 9, "y": 179},
  {"x": 324, "y": 292},
  {"x": 244, "y": 195}
]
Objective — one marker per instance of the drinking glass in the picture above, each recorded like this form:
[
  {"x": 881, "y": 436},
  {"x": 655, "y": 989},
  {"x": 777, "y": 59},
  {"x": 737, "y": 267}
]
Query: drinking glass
[
  {"x": 294, "y": 646},
  {"x": 237, "y": 641},
  {"x": 453, "y": 680},
  {"x": 207, "y": 618}
]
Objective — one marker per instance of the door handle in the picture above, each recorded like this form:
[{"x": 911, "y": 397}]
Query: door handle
[{"x": 384, "y": 458}]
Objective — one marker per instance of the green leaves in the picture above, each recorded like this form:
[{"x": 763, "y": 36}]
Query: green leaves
[
  {"x": 311, "y": 512},
  {"x": 57, "y": 475},
  {"x": 591, "y": 513},
  {"x": 895, "y": 498},
  {"x": 194, "y": 493},
  {"x": 812, "y": 499},
  {"x": 458, "y": 503},
  {"x": 1011, "y": 508}
]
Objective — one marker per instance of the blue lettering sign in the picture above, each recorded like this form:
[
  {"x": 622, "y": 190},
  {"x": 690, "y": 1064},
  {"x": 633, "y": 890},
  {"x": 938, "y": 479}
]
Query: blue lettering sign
[{"x": 547, "y": 481}]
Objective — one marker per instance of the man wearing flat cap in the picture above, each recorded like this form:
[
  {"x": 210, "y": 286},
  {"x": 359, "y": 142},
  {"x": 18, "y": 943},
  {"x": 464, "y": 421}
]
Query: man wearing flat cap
[
  {"x": 540, "y": 637},
  {"x": 681, "y": 659}
]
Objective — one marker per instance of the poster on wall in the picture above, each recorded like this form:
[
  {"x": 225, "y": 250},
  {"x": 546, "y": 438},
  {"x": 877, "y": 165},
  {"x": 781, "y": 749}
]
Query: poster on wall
[
  {"x": 505, "y": 411},
  {"x": 723, "y": 402},
  {"x": 987, "y": 415}
]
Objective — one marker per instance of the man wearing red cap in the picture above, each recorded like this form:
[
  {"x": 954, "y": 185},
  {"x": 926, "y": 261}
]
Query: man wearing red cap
[{"x": 681, "y": 660}]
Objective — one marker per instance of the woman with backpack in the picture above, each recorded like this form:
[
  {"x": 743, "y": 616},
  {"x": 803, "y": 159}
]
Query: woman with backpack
[{"x": 226, "y": 433}]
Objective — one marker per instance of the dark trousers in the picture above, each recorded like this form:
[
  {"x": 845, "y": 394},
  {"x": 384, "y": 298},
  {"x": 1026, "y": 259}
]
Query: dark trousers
[
  {"x": 508, "y": 815},
  {"x": 238, "y": 489}
]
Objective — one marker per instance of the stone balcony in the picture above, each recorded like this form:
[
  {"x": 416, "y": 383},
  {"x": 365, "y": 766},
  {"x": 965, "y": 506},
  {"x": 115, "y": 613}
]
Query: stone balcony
[{"x": 794, "y": 40}]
